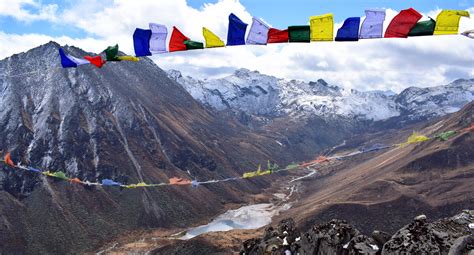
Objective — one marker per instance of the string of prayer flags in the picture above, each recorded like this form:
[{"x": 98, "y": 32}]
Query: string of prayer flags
[
  {"x": 406, "y": 23},
  {"x": 271, "y": 168}
]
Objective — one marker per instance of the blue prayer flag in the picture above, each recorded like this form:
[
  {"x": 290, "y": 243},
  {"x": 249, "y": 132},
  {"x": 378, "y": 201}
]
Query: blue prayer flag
[
  {"x": 70, "y": 61},
  {"x": 349, "y": 30},
  {"x": 141, "y": 42},
  {"x": 236, "y": 33},
  {"x": 108, "y": 182}
]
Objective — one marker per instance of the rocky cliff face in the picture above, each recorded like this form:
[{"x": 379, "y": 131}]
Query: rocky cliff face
[{"x": 126, "y": 121}]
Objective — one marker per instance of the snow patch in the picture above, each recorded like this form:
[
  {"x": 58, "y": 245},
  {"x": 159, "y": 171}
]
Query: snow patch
[{"x": 246, "y": 217}]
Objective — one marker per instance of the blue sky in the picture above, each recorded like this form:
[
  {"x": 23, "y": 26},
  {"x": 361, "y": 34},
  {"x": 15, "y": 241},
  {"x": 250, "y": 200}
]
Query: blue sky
[
  {"x": 279, "y": 13},
  {"x": 368, "y": 64},
  {"x": 282, "y": 13}
]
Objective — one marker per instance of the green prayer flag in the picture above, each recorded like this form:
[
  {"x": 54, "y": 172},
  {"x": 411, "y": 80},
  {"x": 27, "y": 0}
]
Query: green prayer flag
[
  {"x": 193, "y": 45},
  {"x": 445, "y": 135},
  {"x": 421, "y": 28},
  {"x": 271, "y": 167},
  {"x": 299, "y": 33},
  {"x": 291, "y": 166},
  {"x": 111, "y": 53},
  {"x": 60, "y": 175}
]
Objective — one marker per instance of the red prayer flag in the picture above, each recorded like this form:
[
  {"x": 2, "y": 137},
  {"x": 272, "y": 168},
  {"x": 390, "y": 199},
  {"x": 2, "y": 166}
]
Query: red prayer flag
[
  {"x": 179, "y": 181},
  {"x": 97, "y": 60},
  {"x": 9, "y": 160},
  {"x": 177, "y": 41},
  {"x": 277, "y": 36},
  {"x": 319, "y": 160},
  {"x": 75, "y": 180},
  {"x": 401, "y": 24},
  {"x": 469, "y": 129}
]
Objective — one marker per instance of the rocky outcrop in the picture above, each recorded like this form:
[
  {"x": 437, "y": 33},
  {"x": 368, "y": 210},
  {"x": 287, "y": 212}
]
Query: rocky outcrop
[
  {"x": 437, "y": 237},
  {"x": 445, "y": 236}
]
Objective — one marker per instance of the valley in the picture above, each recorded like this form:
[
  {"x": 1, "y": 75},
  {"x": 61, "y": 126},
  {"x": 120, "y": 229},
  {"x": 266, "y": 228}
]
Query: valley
[
  {"x": 134, "y": 122},
  {"x": 374, "y": 191}
]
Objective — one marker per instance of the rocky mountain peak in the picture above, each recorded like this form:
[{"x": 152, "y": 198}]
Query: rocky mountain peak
[
  {"x": 258, "y": 94},
  {"x": 125, "y": 121},
  {"x": 244, "y": 72}
]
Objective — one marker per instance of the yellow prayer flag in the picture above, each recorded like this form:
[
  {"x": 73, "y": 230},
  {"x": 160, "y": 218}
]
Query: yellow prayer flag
[
  {"x": 447, "y": 22},
  {"x": 414, "y": 138},
  {"x": 249, "y": 174},
  {"x": 322, "y": 27},
  {"x": 212, "y": 40},
  {"x": 142, "y": 184},
  {"x": 128, "y": 58}
]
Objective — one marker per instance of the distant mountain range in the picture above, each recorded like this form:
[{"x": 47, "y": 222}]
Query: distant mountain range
[{"x": 267, "y": 96}]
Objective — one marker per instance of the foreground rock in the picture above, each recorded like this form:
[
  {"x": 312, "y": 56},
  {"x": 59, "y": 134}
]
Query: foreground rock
[
  {"x": 449, "y": 235},
  {"x": 446, "y": 236}
]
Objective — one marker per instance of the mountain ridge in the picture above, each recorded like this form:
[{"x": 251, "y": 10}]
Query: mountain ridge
[
  {"x": 268, "y": 96},
  {"x": 125, "y": 121}
]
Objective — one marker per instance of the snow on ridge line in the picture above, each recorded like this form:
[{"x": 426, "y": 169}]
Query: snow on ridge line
[{"x": 260, "y": 94}]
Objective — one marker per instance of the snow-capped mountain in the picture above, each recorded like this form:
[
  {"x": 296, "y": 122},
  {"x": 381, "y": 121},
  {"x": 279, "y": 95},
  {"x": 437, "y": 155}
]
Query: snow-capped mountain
[
  {"x": 419, "y": 103},
  {"x": 258, "y": 94}
]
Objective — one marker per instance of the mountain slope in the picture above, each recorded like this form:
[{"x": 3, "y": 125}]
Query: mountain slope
[
  {"x": 263, "y": 95},
  {"x": 385, "y": 190},
  {"x": 127, "y": 122},
  {"x": 309, "y": 117}
]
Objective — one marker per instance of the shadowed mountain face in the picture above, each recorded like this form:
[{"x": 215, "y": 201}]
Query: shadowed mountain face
[{"x": 127, "y": 122}]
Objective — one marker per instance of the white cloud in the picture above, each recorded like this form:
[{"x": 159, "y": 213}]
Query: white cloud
[
  {"x": 14, "y": 43},
  {"x": 17, "y": 10},
  {"x": 368, "y": 64}
]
